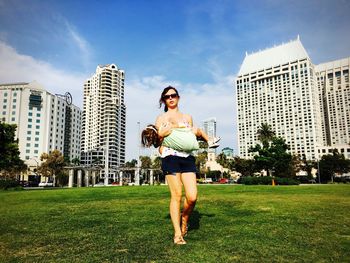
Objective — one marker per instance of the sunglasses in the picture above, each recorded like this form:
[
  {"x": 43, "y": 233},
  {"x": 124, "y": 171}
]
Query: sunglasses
[{"x": 173, "y": 96}]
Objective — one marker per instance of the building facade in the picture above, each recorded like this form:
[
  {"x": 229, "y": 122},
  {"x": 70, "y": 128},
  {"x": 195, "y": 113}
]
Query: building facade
[
  {"x": 45, "y": 121},
  {"x": 104, "y": 118},
  {"x": 305, "y": 104}
]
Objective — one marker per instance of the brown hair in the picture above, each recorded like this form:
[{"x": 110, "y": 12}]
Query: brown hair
[
  {"x": 162, "y": 100},
  {"x": 149, "y": 137}
]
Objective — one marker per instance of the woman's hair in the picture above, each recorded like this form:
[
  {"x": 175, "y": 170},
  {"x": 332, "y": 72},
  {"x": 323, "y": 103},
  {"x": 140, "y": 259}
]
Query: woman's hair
[
  {"x": 149, "y": 137},
  {"x": 162, "y": 100}
]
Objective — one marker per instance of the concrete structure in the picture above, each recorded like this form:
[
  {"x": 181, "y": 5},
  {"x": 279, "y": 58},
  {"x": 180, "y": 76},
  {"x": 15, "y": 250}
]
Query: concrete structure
[
  {"x": 103, "y": 119},
  {"x": 305, "y": 104},
  {"x": 334, "y": 95},
  {"x": 44, "y": 121},
  {"x": 228, "y": 152}
]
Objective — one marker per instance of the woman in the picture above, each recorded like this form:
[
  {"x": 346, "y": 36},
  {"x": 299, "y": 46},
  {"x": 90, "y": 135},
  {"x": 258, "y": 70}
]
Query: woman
[{"x": 178, "y": 167}]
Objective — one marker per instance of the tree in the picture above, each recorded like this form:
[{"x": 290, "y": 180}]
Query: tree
[
  {"x": 10, "y": 162},
  {"x": 246, "y": 167},
  {"x": 222, "y": 160},
  {"x": 265, "y": 133},
  {"x": 52, "y": 164},
  {"x": 146, "y": 162},
  {"x": 201, "y": 159},
  {"x": 331, "y": 164},
  {"x": 76, "y": 161},
  {"x": 273, "y": 156},
  {"x": 131, "y": 164},
  {"x": 157, "y": 163}
]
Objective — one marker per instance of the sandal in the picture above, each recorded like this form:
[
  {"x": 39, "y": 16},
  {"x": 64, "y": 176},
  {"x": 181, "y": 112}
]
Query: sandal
[
  {"x": 184, "y": 227},
  {"x": 179, "y": 240}
]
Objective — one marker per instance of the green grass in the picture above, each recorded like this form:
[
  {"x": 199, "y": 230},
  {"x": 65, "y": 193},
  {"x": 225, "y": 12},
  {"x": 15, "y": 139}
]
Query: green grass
[{"x": 231, "y": 223}]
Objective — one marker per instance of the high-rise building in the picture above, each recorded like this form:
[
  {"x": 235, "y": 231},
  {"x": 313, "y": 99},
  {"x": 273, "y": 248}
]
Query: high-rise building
[
  {"x": 305, "y": 104},
  {"x": 44, "y": 121},
  {"x": 333, "y": 84},
  {"x": 278, "y": 86},
  {"x": 103, "y": 120},
  {"x": 209, "y": 127}
]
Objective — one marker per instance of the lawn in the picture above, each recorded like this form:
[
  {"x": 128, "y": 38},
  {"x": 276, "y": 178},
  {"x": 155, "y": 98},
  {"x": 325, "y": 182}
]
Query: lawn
[{"x": 231, "y": 223}]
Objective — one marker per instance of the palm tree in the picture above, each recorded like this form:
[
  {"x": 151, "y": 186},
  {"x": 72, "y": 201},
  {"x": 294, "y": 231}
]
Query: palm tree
[{"x": 265, "y": 134}]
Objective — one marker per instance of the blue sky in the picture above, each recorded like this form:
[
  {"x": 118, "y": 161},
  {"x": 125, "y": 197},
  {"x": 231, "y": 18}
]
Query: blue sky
[{"x": 196, "y": 45}]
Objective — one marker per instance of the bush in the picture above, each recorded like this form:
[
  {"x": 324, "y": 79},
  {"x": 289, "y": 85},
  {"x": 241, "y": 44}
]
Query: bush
[
  {"x": 266, "y": 180},
  {"x": 8, "y": 183},
  {"x": 286, "y": 181}
]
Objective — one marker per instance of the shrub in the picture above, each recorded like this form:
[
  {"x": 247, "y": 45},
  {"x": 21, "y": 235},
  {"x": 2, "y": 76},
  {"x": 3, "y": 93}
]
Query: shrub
[
  {"x": 8, "y": 183},
  {"x": 286, "y": 181},
  {"x": 266, "y": 180}
]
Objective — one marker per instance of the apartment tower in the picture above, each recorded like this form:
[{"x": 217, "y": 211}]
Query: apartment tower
[
  {"x": 45, "y": 121},
  {"x": 278, "y": 86},
  {"x": 103, "y": 119}
]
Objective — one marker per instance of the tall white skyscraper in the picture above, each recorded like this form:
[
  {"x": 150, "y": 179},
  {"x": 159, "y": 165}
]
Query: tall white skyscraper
[
  {"x": 44, "y": 121},
  {"x": 103, "y": 120},
  {"x": 333, "y": 84},
  {"x": 278, "y": 86},
  {"x": 209, "y": 127}
]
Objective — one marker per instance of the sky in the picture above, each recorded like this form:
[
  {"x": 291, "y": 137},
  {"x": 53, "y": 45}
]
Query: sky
[{"x": 195, "y": 45}]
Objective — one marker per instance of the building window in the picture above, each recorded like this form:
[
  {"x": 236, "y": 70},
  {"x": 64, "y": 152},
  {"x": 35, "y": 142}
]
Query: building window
[
  {"x": 28, "y": 144},
  {"x": 5, "y": 94},
  {"x": 37, "y": 133},
  {"x": 4, "y": 107},
  {"x": 29, "y": 120},
  {"x": 36, "y": 151},
  {"x": 27, "y": 157},
  {"x": 37, "y": 121},
  {"x": 29, "y": 126},
  {"x": 29, "y": 132},
  {"x": 28, "y": 138},
  {"x": 14, "y": 100},
  {"x": 36, "y": 145},
  {"x": 37, "y": 127},
  {"x": 13, "y": 119},
  {"x": 27, "y": 151},
  {"x": 36, "y": 139},
  {"x": 30, "y": 113},
  {"x": 38, "y": 114},
  {"x": 13, "y": 106}
]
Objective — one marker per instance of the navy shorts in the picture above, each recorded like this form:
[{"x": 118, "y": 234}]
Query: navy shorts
[{"x": 175, "y": 164}]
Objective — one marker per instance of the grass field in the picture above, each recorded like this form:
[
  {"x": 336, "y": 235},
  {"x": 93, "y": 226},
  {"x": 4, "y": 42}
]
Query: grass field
[{"x": 231, "y": 223}]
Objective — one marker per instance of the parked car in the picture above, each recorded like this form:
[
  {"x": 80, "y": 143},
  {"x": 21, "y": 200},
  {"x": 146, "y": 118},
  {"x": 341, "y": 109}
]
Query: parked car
[
  {"x": 223, "y": 181},
  {"x": 45, "y": 184},
  {"x": 208, "y": 181}
]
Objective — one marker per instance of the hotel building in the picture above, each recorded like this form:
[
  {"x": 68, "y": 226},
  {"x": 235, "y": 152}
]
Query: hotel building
[
  {"x": 44, "y": 121},
  {"x": 103, "y": 119},
  {"x": 307, "y": 105}
]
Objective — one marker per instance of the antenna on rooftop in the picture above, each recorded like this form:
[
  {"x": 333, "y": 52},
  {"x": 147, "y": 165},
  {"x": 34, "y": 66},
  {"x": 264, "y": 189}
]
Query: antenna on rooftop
[{"x": 298, "y": 37}]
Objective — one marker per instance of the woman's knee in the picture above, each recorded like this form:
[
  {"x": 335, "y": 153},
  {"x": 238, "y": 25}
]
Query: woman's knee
[
  {"x": 191, "y": 199},
  {"x": 176, "y": 196}
]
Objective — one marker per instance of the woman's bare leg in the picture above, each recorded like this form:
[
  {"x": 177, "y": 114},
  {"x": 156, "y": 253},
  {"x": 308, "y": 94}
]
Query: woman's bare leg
[
  {"x": 190, "y": 184},
  {"x": 175, "y": 186}
]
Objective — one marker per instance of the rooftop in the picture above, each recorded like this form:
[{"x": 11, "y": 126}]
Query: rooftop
[{"x": 272, "y": 57}]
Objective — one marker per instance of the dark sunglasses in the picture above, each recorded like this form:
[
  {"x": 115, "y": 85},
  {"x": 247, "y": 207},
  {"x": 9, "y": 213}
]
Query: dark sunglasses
[{"x": 173, "y": 96}]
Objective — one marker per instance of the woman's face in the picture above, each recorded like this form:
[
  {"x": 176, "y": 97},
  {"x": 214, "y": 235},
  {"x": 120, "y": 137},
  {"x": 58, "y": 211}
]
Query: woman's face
[{"x": 171, "y": 98}]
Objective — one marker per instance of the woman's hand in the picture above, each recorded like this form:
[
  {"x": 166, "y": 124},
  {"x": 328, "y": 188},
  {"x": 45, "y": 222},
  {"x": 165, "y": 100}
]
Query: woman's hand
[{"x": 165, "y": 129}]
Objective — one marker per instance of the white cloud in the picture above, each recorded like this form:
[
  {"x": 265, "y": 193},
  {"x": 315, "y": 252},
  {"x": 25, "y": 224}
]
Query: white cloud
[
  {"x": 78, "y": 41},
  {"x": 15, "y": 67}
]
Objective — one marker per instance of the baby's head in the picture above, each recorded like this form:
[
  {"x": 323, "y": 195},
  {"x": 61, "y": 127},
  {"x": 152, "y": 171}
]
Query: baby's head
[{"x": 149, "y": 136}]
